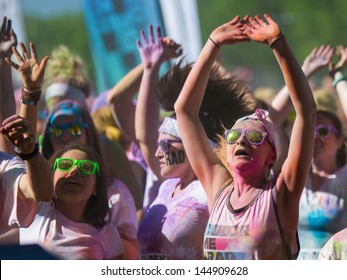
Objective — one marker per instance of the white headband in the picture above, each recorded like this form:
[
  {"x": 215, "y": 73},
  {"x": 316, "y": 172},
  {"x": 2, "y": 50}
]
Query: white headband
[
  {"x": 67, "y": 91},
  {"x": 169, "y": 126}
]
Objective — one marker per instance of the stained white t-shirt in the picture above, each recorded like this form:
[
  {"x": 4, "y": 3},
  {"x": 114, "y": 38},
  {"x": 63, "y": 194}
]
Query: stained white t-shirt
[
  {"x": 14, "y": 212},
  {"x": 173, "y": 227},
  {"x": 123, "y": 209},
  {"x": 322, "y": 213},
  {"x": 335, "y": 248},
  {"x": 70, "y": 240}
]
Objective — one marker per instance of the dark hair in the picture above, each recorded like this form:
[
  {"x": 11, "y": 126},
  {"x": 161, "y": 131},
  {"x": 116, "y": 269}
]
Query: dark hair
[
  {"x": 226, "y": 99},
  {"x": 341, "y": 152},
  {"x": 82, "y": 114},
  {"x": 97, "y": 205}
]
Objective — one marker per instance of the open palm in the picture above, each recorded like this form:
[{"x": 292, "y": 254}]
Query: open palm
[
  {"x": 29, "y": 69},
  {"x": 319, "y": 58}
]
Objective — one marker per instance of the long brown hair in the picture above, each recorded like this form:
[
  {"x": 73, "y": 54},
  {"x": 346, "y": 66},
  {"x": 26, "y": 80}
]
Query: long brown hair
[
  {"x": 97, "y": 206},
  {"x": 341, "y": 152}
]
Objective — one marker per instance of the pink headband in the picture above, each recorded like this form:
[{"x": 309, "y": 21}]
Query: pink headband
[{"x": 275, "y": 136}]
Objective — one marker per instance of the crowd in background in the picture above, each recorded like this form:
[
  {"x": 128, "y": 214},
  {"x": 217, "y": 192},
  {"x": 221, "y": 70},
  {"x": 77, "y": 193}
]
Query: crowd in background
[{"x": 192, "y": 164}]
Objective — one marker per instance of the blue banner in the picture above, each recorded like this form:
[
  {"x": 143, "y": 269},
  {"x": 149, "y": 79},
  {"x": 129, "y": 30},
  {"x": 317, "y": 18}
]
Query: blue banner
[{"x": 113, "y": 27}]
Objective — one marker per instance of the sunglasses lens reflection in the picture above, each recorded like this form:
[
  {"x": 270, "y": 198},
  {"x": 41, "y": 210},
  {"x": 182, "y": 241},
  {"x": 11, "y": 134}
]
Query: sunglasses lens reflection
[
  {"x": 65, "y": 164},
  {"x": 75, "y": 130},
  {"x": 233, "y": 135},
  {"x": 255, "y": 137},
  {"x": 55, "y": 131},
  {"x": 323, "y": 131},
  {"x": 163, "y": 145},
  {"x": 87, "y": 167}
]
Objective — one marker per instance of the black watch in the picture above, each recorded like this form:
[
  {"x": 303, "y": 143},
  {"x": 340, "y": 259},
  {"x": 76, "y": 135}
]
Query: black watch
[{"x": 27, "y": 156}]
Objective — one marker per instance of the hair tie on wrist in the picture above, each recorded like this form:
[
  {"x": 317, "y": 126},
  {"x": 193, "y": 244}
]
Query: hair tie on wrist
[
  {"x": 339, "y": 79},
  {"x": 214, "y": 43}
]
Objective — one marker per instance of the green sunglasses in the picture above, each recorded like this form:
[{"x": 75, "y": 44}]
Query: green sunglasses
[{"x": 84, "y": 165}]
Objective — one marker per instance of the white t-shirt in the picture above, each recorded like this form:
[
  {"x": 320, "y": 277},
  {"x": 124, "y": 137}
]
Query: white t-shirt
[
  {"x": 13, "y": 212},
  {"x": 173, "y": 227},
  {"x": 123, "y": 209},
  {"x": 335, "y": 248},
  {"x": 66, "y": 239}
]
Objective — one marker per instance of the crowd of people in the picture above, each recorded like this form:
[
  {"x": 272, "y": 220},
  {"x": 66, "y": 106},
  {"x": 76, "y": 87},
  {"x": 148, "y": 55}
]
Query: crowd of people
[{"x": 187, "y": 165}]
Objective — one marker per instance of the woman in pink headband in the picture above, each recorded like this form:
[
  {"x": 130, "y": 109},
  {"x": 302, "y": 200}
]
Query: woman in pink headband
[{"x": 252, "y": 215}]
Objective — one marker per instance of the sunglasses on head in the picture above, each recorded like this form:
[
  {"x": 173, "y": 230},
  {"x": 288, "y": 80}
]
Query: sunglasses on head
[
  {"x": 84, "y": 165},
  {"x": 74, "y": 129},
  {"x": 165, "y": 143},
  {"x": 253, "y": 136},
  {"x": 324, "y": 131}
]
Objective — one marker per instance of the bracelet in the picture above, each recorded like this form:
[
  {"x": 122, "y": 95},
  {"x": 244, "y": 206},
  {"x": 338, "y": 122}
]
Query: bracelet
[
  {"x": 214, "y": 43},
  {"x": 27, "y": 156},
  {"x": 31, "y": 97},
  {"x": 339, "y": 79},
  {"x": 32, "y": 89},
  {"x": 275, "y": 40}
]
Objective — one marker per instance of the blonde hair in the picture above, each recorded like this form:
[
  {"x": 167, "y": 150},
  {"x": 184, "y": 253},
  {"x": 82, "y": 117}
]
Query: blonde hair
[
  {"x": 64, "y": 66},
  {"x": 221, "y": 151},
  {"x": 105, "y": 124}
]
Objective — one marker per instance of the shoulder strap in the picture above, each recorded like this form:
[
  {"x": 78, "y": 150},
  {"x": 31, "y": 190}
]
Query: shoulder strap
[{"x": 224, "y": 185}]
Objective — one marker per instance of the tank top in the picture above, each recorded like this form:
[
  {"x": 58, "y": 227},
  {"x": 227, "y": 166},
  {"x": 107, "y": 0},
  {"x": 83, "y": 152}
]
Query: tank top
[{"x": 249, "y": 233}]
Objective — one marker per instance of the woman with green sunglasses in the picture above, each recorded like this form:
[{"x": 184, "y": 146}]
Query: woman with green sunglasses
[
  {"x": 68, "y": 122},
  {"x": 74, "y": 224},
  {"x": 253, "y": 211}
]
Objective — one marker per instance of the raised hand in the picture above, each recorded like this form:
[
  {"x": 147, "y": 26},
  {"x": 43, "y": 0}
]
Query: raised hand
[
  {"x": 230, "y": 33},
  {"x": 30, "y": 70},
  {"x": 319, "y": 58},
  {"x": 8, "y": 38},
  {"x": 172, "y": 49},
  {"x": 262, "y": 31},
  {"x": 18, "y": 132},
  {"x": 341, "y": 53},
  {"x": 151, "y": 52}
]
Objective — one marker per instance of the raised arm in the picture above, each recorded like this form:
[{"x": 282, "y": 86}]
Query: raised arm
[
  {"x": 294, "y": 172},
  {"x": 153, "y": 53},
  {"x": 120, "y": 100},
  {"x": 281, "y": 105},
  {"x": 8, "y": 39},
  {"x": 339, "y": 79},
  {"x": 37, "y": 183},
  {"x": 31, "y": 73},
  {"x": 203, "y": 160}
]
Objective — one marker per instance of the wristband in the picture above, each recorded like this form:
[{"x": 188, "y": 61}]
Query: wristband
[
  {"x": 31, "y": 97},
  {"x": 339, "y": 79},
  {"x": 275, "y": 40},
  {"x": 27, "y": 156}
]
